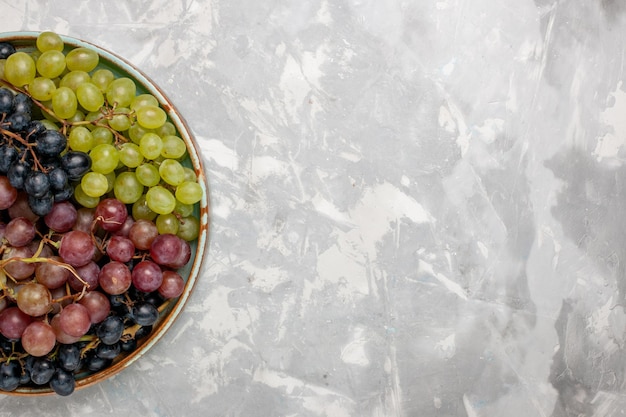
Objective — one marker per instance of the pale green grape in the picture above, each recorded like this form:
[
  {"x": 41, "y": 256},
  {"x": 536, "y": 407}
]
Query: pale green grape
[
  {"x": 121, "y": 91},
  {"x": 173, "y": 147},
  {"x": 140, "y": 210},
  {"x": 182, "y": 209},
  {"x": 189, "y": 228},
  {"x": 83, "y": 199},
  {"x": 102, "y": 135},
  {"x": 127, "y": 188},
  {"x": 172, "y": 172},
  {"x": 160, "y": 200},
  {"x": 97, "y": 120},
  {"x": 51, "y": 64},
  {"x": 101, "y": 78},
  {"x": 143, "y": 100},
  {"x": 110, "y": 180},
  {"x": 89, "y": 96},
  {"x": 2, "y": 64},
  {"x": 130, "y": 155},
  {"x": 41, "y": 88},
  {"x": 151, "y": 117},
  {"x": 74, "y": 78},
  {"x": 168, "y": 129},
  {"x": 49, "y": 41},
  {"x": 189, "y": 192},
  {"x": 79, "y": 116},
  {"x": 20, "y": 69},
  {"x": 151, "y": 145},
  {"x": 50, "y": 125},
  {"x": 148, "y": 175},
  {"x": 167, "y": 223},
  {"x": 94, "y": 184},
  {"x": 190, "y": 175},
  {"x": 136, "y": 132},
  {"x": 120, "y": 120},
  {"x": 82, "y": 59},
  {"x": 104, "y": 158},
  {"x": 81, "y": 139},
  {"x": 64, "y": 102}
]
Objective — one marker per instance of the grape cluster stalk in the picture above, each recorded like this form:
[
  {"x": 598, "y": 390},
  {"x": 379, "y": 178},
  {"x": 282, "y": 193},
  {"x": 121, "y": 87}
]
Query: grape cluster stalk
[{"x": 96, "y": 215}]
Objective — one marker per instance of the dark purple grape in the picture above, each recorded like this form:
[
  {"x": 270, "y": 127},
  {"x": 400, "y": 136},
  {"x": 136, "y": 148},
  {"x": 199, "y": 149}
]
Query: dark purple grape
[
  {"x": 110, "y": 330},
  {"x": 10, "y": 374},
  {"x": 63, "y": 382},
  {"x": 50, "y": 143},
  {"x": 95, "y": 363},
  {"x": 22, "y": 104},
  {"x": 8, "y": 155},
  {"x": 76, "y": 164},
  {"x": 17, "y": 173},
  {"x": 34, "y": 128},
  {"x": 128, "y": 345},
  {"x": 58, "y": 179},
  {"x": 18, "y": 121},
  {"x": 6, "y": 50},
  {"x": 63, "y": 195},
  {"x": 108, "y": 351},
  {"x": 42, "y": 370},
  {"x": 37, "y": 184},
  {"x": 144, "y": 314},
  {"x": 6, "y": 100},
  {"x": 41, "y": 205},
  {"x": 69, "y": 357}
]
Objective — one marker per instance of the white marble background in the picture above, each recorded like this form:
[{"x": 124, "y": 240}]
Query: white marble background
[{"x": 418, "y": 207}]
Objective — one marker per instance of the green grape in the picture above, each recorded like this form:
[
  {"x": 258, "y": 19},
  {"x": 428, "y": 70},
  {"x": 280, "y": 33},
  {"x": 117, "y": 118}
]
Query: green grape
[
  {"x": 151, "y": 145},
  {"x": 143, "y": 100},
  {"x": 49, "y": 41},
  {"x": 83, "y": 199},
  {"x": 167, "y": 223},
  {"x": 167, "y": 129},
  {"x": 189, "y": 192},
  {"x": 190, "y": 175},
  {"x": 96, "y": 118},
  {"x": 64, "y": 102},
  {"x": 101, "y": 78},
  {"x": 41, "y": 88},
  {"x": 173, "y": 147},
  {"x": 172, "y": 172},
  {"x": 104, "y": 158},
  {"x": 121, "y": 91},
  {"x": 81, "y": 139},
  {"x": 120, "y": 120},
  {"x": 79, "y": 116},
  {"x": 148, "y": 175},
  {"x": 102, "y": 135},
  {"x": 89, "y": 96},
  {"x": 110, "y": 180},
  {"x": 130, "y": 155},
  {"x": 189, "y": 228},
  {"x": 140, "y": 210},
  {"x": 94, "y": 184},
  {"x": 127, "y": 188},
  {"x": 183, "y": 210},
  {"x": 49, "y": 125},
  {"x": 160, "y": 200},
  {"x": 2, "y": 64},
  {"x": 74, "y": 78},
  {"x": 82, "y": 59},
  {"x": 151, "y": 117},
  {"x": 136, "y": 132},
  {"x": 20, "y": 69},
  {"x": 51, "y": 64}
]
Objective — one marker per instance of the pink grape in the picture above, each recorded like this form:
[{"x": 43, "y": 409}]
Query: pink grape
[
  {"x": 77, "y": 248},
  {"x": 142, "y": 234},
  {"x": 21, "y": 208},
  {"x": 19, "y": 231},
  {"x": 115, "y": 278},
  {"x": 147, "y": 276},
  {"x": 38, "y": 338},
  {"x": 111, "y": 214},
  {"x": 84, "y": 219},
  {"x": 34, "y": 299},
  {"x": 74, "y": 320},
  {"x": 88, "y": 273},
  {"x": 120, "y": 248},
  {"x": 62, "y": 217},
  {"x": 18, "y": 269},
  {"x": 98, "y": 305},
  {"x": 170, "y": 250},
  {"x": 50, "y": 275},
  {"x": 60, "y": 335},
  {"x": 172, "y": 285},
  {"x": 8, "y": 194},
  {"x": 13, "y": 321}
]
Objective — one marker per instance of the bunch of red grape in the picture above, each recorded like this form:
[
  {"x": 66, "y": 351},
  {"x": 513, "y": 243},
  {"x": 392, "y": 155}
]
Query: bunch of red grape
[{"x": 96, "y": 216}]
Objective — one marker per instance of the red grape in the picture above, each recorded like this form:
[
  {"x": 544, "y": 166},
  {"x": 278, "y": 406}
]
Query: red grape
[
  {"x": 19, "y": 231},
  {"x": 13, "y": 321},
  {"x": 98, "y": 305},
  {"x": 34, "y": 299},
  {"x": 142, "y": 233},
  {"x": 147, "y": 276},
  {"x": 18, "y": 269},
  {"x": 88, "y": 273},
  {"x": 74, "y": 320},
  {"x": 170, "y": 250},
  {"x": 120, "y": 249},
  {"x": 62, "y": 217},
  {"x": 77, "y": 248},
  {"x": 115, "y": 278},
  {"x": 111, "y": 214},
  {"x": 172, "y": 285},
  {"x": 8, "y": 193},
  {"x": 38, "y": 338},
  {"x": 51, "y": 275}
]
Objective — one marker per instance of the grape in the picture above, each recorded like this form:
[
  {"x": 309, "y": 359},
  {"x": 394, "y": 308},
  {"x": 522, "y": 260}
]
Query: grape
[
  {"x": 19, "y": 69},
  {"x": 140, "y": 210},
  {"x": 104, "y": 158},
  {"x": 130, "y": 155},
  {"x": 189, "y": 192},
  {"x": 97, "y": 304},
  {"x": 111, "y": 214},
  {"x": 36, "y": 184},
  {"x": 151, "y": 117},
  {"x": 41, "y": 205},
  {"x": 64, "y": 102},
  {"x": 102, "y": 135},
  {"x": 172, "y": 172},
  {"x": 160, "y": 200},
  {"x": 21, "y": 208},
  {"x": 18, "y": 121},
  {"x": 51, "y": 64},
  {"x": 94, "y": 184},
  {"x": 145, "y": 314},
  {"x": 60, "y": 335},
  {"x": 136, "y": 132},
  {"x": 62, "y": 217},
  {"x": 73, "y": 79},
  {"x": 170, "y": 250},
  {"x": 105, "y": 351},
  {"x": 147, "y": 276},
  {"x": 83, "y": 199},
  {"x": 82, "y": 59},
  {"x": 13, "y": 321},
  {"x": 18, "y": 172},
  {"x": 81, "y": 139},
  {"x": 151, "y": 145},
  {"x": 74, "y": 320},
  {"x": 142, "y": 234},
  {"x": 76, "y": 164},
  {"x": 84, "y": 219},
  {"x": 8, "y": 193},
  {"x": 120, "y": 249},
  {"x": 110, "y": 330},
  {"x": 167, "y": 129},
  {"x": 120, "y": 120},
  {"x": 127, "y": 188},
  {"x": 50, "y": 275},
  {"x": 19, "y": 270},
  {"x": 102, "y": 78},
  {"x": 41, "y": 371},
  {"x": 38, "y": 338},
  {"x": 47, "y": 41},
  {"x": 125, "y": 229},
  {"x": 77, "y": 248},
  {"x": 6, "y": 50},
  {"x": 189, "y": 228},
  {"x": 120, "y": 92},
  {"x": 19, "y": 231},
  {"x": 9, "y": 375},
  {"x": 114, "y": 278},
  {"x": 58, "y": 179},
  {"x": 6, "y": 100},
  {"x": 50, "y": 143},
  {"x": 34, "y": 299},
  {"x": 173, "y": 147},
  {"x": 167, "y": 223},
  {"x": 148, "y": 175},
  {"x": 143, "y": 100},
  {"x": 88, "y": 273},
  {"x": 172, "y": 285},
  {"x": 69, "y": 357},
  {"x": 41, "y": 88},
  {"x": 89, "y": 96},
  {"x": 63, "y": 382}
]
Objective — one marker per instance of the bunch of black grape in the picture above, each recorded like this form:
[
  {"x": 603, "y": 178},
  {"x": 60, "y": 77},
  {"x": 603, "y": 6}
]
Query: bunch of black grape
[{"x": 33, "y": 157}]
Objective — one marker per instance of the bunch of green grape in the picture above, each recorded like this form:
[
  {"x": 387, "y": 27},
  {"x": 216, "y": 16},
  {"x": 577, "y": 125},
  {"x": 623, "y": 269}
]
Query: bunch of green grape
[{"x": 135, "y": 149}]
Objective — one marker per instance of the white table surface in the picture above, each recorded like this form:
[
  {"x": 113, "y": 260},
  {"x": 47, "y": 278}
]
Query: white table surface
[{"x": 418, "y": 207}]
